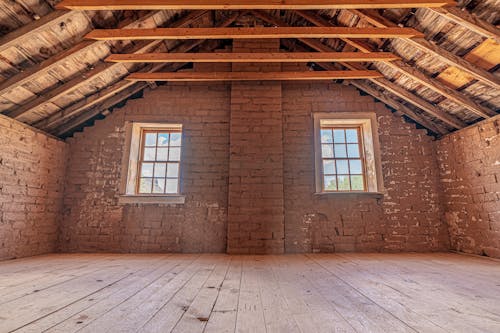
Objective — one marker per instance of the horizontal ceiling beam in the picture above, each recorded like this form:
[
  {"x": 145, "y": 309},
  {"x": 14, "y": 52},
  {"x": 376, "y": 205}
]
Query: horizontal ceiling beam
[
  {"x": 252, "y": 57},
  {"x": 245, "y": 4},
  {"x": 252, "y": 76},
  {"x": 251, "y": 33}
]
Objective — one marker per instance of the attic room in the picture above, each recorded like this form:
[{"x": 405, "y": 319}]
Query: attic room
[{"x": 249, "y": 166}]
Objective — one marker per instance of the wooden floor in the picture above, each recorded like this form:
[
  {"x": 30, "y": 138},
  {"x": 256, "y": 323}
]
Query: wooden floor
[{"x": 220, "y": 293}]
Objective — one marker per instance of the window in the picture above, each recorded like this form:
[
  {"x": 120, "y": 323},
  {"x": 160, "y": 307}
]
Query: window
[
  {"x": 153, "y": 167},
  {"x": 345, "y": 153}
]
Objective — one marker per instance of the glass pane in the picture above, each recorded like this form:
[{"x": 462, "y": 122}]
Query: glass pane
[
  {"x": 162, "y": 154},
  {"x": 352, "y": 135},
  {"x": 173, "y": 170},
  {"x": 326, "y": 136},
  {"x": 327, "y": 151},
  {"x": 145, "y": 185},
  {"x": 330, "y": 183},
  {"x": 163, "y": 139},
  {"x": 342, "y": 167},
  {"x": 175, "y": 139},
  {"x": 344, "y": 184},
  {"x": 339, "y": 136},
  {"x": 150, "y": 139},
  {"x": 175, "y": 154},
  {"x": 357, "y": 183},
  {"x": 159, "y": 185},
  {"x": 147, "y": 170},
  {"x": 356, "y": 167},
  {"x": 160, "y": 170},
  {"x": 172, "y": 185},
  {"x": 149, "y": 154},
  {"x": 340, "y": 151},
  {"x": 353, "y": 150},
  {"x": 329, "y": 167}
]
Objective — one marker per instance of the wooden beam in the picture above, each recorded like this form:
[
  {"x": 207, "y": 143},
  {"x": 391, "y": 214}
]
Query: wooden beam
[
  {"x": 252, "y": 76},
  {"x": 251, "y": 33},
  {"x": 399, "y": 107},
  {"x": 252, "y": 57},
  {"x": 447, "y": 57},
  {"x": 15, "y": 37},
  {"x": 470, "y": 21},
  {"x": 382, "y": 82},
  {"x": 99, "y": 69},
  {"x": 245, "y": 4}
]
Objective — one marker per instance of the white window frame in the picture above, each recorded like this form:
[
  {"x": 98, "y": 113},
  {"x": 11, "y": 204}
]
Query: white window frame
[
  {"x": 130, "y": 166},
  {"x": 367, "y": 121}
]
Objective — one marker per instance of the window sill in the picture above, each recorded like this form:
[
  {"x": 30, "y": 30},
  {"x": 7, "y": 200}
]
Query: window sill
[
  {"x": 152, "y": 199},
  {"x": 377, "y": 195}
]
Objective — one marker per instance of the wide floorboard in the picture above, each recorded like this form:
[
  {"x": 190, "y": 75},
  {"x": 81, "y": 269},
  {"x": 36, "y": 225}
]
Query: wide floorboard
[{"x": 220, "y": 293}]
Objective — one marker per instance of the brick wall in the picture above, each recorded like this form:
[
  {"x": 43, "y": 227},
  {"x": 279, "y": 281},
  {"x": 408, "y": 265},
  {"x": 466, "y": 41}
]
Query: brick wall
[
  {"x": 94, "y": 221},
  {"x": 256, "y": 220},
  {"x": 32, "y": 167},
  {"x": 407, "y": 218},
  {"x": 470, "y": 177}
]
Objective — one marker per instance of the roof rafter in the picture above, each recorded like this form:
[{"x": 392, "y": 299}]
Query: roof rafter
[
  {"x": 451, "y": 59},
  {"x": 245, "y": 4},
  {"x": 431, "y": 83}
]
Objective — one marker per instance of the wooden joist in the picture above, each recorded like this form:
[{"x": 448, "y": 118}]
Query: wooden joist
[
  {"x": 470, "y": 21},
  {"x": 252, "y": 76},
  {"x": 251, "y": 33},
  {"x": 15, "y": 37},
  {"x": 245, "y": 4},
  {"x": 449, "y": 58},
  {"x": 252, "y": 57}
]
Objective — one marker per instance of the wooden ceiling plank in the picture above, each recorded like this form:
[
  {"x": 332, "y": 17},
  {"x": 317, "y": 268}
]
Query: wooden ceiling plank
[
  {"x": 245, "y": 4},
  {"x": 15, "y": 37},
  {"x": 99, "y": 69},
  {"x": 449, "y": 58},
  {"x": 438, "y": 87},
  {"x": 250, "y": 33},
  {"x": 252, "y": 57},
  {"x": 382, "y": 82},
  {"x": 251, "y": 76},
  {"x": 398, "y": 106},
  {"x": 470, "y": 21}
]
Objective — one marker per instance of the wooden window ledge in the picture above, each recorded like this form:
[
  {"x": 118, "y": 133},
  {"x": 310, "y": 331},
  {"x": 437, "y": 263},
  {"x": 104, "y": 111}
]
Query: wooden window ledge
[
  {"x": 152, "y": 199},
  {"x": 378, "y": 195}
]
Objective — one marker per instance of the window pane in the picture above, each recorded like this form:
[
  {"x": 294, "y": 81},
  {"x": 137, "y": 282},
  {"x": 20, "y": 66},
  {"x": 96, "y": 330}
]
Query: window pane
[
  {"x": 326, "y": 136},
  {"x": 340, "y": 151},
  {"x": 342, "y": 167},
  {"x": 353, "y": 150},
  {"x": 147, "y": 170},
  {"x": 175, "y": 139},
  {"x": 159, "y": 185},
  {"x": 175, "y": 154},
  {"x": 162, "y": 154},
  {"x": 163, "y": 139},
  {"x": 145, "y": 185},
  {"x": 344, "y": 184},
  {"x": 172, "y": 185},
  {"x": 150, "y": 139},
  {"x": 355, "y": 167},
  {"x": 330, "y": 183},
  {"x": 357, "y": 183},
  {"x": 173, "y": 170},
  {"x": 149, "y": 154},
  {"x": 352, "y": 135},
  {"x": 327, "y": 151},
  {"x": 329, "y": 167},
  {"x": 339, "y": 136},
  {"x": 160, "y": 170}
]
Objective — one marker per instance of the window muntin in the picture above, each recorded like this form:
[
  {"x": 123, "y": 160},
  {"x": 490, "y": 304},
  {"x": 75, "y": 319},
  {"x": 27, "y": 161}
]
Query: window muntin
[
  {"x": 343, "y": 166},
  {"x": 159, "y": 162}
]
